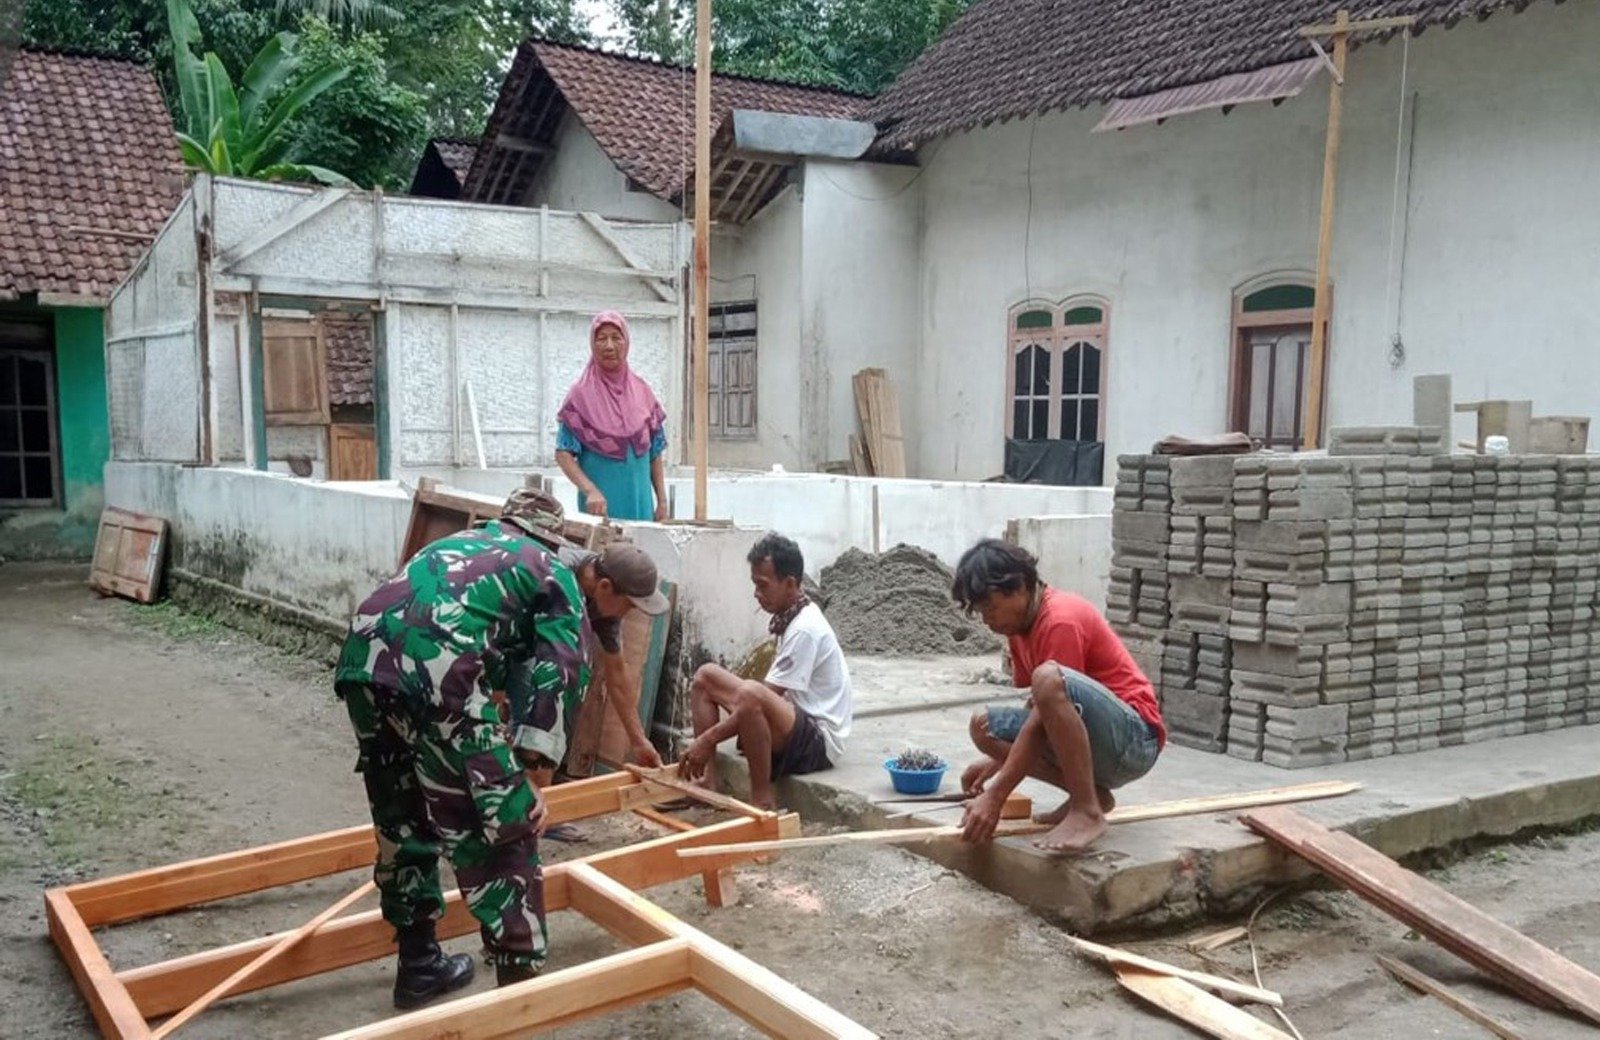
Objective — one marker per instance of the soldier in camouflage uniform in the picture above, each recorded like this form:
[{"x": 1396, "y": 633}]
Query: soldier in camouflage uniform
[{"x": 425, "y": 654}]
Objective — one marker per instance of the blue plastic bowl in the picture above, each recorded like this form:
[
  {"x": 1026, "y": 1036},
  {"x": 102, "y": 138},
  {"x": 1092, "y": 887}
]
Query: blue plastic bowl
[{"x": 915, "y": 781}]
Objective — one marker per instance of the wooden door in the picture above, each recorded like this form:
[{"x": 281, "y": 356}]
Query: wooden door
[
  {"x": 1273, "y": 385},
  {"x": 294, "y": 376},
  {"x": 352, "y": 452}
]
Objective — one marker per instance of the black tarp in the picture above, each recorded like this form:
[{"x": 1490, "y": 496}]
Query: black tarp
[{"x": 1063, "y": 463}]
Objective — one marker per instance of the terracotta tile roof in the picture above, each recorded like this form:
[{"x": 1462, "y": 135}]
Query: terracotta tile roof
[
  {"x": 87, "y": 144},
  {"x": 348, "y": 338},
  {"x": 640, "y": 111},
  {"x": 1010, "y": 58},
  {"x": 457, "y": 153}
]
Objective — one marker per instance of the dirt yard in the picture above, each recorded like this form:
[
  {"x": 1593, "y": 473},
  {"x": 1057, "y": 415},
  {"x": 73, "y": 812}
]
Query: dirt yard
[{"x": 139, "y": 736}]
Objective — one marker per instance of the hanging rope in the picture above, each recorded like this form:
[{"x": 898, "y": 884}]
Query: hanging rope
[{"x": 1393, "y": 277}]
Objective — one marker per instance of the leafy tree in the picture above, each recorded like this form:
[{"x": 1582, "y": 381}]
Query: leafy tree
[
  {"x": 355, "y": 13},
  {"x": 367, "y": 125},
  {"x": 857, "y": 45},
  {"x": 246, "y": 132}
]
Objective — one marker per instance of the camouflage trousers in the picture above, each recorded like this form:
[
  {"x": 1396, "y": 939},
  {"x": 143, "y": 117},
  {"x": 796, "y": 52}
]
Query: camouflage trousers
[{"x": 449, "y": 783}]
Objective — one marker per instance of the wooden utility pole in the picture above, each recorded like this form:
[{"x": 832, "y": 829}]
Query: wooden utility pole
[
  {"x": 1340, "y": 30},
  {"x": 1311, "y": 437},
  {"x": 702, "y": 249}
]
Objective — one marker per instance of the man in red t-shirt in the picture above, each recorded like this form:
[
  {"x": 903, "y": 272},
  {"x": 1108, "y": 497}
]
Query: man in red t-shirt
[{"x": 1091, "y": 722}]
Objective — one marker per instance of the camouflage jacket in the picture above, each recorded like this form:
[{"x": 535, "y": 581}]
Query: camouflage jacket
[{"x": 461, "y": 612}]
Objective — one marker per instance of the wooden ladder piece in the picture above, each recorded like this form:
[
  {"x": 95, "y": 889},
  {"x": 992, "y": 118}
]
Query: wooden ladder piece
[
  {"x": 1535, "y": 971},
  {"x": 1122, "y": 958}
]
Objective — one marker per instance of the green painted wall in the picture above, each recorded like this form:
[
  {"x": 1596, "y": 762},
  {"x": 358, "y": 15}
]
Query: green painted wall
[{"x": 85, "y": 435}]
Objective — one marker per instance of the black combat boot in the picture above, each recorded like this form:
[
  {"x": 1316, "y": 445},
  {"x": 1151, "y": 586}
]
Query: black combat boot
[
  {"x": 426, "y": 972},
  {"x": 509, "y": 974}
]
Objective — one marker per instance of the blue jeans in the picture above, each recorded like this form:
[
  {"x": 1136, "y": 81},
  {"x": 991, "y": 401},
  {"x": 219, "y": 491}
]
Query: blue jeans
[{"x": 1122, "y": 744}]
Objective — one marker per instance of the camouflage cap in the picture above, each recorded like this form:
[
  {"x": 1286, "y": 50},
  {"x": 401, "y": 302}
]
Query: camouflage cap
[{"x": 536, "y": 512}]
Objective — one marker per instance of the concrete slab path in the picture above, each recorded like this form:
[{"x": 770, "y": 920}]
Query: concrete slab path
[{"x": 1158, "y": 873}]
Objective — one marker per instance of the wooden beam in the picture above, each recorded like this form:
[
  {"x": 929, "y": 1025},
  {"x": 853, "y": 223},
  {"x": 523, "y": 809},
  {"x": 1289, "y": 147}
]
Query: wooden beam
[
  {"x": 295, "y": 216},
  {"x": 1311, "y": 434},
  {"x": 1122, "y": 958},
  {"x": 1427, "y": 984},
  {"x": 163, "y": 988},
  {"x": 1365, "y": 25},
  {"x": 599, "y": 227},
  {"x": 699, "y": 794},
  {"x": 760, "y": 997},
  {"x": 557, "y": 999},
  {"x": 1195, "y": 1006},
  {"x": 159, "y": 890},
  {"x": 113, "y": 1007},
  {"x": 702, "y": 252},
  {"x": 1124, "y": 814},
  {"x": 1533, "y": 970},
  {"x": 278, "y": 949},
  {"x": 512, "y": 143}
]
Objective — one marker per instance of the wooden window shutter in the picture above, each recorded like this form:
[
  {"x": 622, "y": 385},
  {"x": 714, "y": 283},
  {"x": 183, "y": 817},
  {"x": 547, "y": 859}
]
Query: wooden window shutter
[{"x": 294, "y": 372}]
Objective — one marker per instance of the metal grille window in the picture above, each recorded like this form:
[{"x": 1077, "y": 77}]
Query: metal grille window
[
  {"x": 29, "y": 451},
  {"x": 731, "y": 362}
]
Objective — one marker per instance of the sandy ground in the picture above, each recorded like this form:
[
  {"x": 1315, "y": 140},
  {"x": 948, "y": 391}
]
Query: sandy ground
[{"x": 139, "y": 736}]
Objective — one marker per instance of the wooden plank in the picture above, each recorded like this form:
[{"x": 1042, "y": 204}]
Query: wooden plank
[
  {"x": 544, "y": 1003},
  {"x": 1216, "y": 983},
  {"x": 128, "y": 553},
  {"x": 603, "y": 232},
  {"x": 1318, "y": 362},
  {"x": 1217, "y": 940},
  {"x": 597, "y": 733},
  {"x": 1127, "y": 814},
  {"x": 294, "y": 372},
  {"x": 858, "y": 384},
  {"x": 278, "y": 949},
  {"x": 352, "y": 452},
  {"x": 699, "y": 794},
  {"x": 113, "y": 1007},
  {"x": 1365, "y": 25},
  {"x": 437, "y": 511},
  {"x": 772, "y": 1004},
  {"x": 162, "y": 988},
  {"x": 1195, "y": 1006},
  {"x": 160, "y": 890},
  {"x": 1227, "y": 802},
  {"x": 700, "y": 327},
  {"x": 1424, "y": 983},
  {"x": 890, "y": 431},
  {"x": 1455, "y": 924}
]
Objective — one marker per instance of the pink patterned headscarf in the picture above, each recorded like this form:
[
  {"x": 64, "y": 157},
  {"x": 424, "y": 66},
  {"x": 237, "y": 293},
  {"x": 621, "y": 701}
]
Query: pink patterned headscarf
[{"x": 609, "y": 412}]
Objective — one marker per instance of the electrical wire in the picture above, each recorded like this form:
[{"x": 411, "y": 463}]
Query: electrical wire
[
  {"x": 1255, "y": 964},
  {"x": 1027, "y": 227},
  {"x": 1397, "y": 350}
]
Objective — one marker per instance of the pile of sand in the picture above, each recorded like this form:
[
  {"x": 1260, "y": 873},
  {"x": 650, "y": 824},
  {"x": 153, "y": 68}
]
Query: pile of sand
[{"x": 898, "y": 603}]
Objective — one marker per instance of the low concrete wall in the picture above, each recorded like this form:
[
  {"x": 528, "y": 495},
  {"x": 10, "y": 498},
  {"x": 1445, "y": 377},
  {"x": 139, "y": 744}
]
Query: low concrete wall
[
  {"x": 1074, "y": 552},
  {"x": 320, "y": 548}
]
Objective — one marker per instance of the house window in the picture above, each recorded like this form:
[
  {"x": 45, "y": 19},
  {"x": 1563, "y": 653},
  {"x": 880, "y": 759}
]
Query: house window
[
  {"x": 1271, "y": 382},
  {"x": 1056, "y": 381},
  {"x": 731, "y": 363},
  {"x": 29, "y": 449}
]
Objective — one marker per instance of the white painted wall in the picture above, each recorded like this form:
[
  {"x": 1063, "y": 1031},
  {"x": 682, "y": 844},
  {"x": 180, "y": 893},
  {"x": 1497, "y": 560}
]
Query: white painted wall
[
  {"x": 1166, "y": 221},
  {"x": 762, "y": 261},
  {"x": 1074, "y": 552},
  {"x": 579, "y": 176}
]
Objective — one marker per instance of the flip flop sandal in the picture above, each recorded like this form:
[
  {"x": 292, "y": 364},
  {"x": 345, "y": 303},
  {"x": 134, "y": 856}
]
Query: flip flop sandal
[{"x": 565, "y": 832}]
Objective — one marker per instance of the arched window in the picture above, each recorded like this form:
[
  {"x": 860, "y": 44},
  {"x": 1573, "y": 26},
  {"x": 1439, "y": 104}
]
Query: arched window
[
  {"x": 1056, "y": 377},
  {"x": 1270, "y": 375}
]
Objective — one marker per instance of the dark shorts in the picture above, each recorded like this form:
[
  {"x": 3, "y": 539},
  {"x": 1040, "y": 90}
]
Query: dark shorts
[
  {"x": 1121, "y": 743},
  {"x": 806, "y": 751}
]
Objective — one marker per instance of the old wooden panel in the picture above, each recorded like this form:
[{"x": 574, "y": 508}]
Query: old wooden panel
[
  {"x": 128, "y": 554},
  {"x": 352, "y": 452},
  {"x": 294, "y": 374},
  {"x": 598, "y": 734}
]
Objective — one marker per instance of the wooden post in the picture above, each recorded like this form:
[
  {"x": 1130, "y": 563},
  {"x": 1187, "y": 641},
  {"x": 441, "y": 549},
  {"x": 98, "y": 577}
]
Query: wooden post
[
  {"x": 702, "y": 249},
  {"x": 1312, "y": 434}
]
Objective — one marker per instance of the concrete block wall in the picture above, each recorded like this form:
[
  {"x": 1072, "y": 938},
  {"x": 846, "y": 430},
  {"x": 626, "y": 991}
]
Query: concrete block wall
[{"x": 1303, "y": 610}]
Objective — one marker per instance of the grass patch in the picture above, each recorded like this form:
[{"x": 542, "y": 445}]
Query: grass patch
[
  {"x": 175, "y": 622},
  {"x": 83, "y": 797}
]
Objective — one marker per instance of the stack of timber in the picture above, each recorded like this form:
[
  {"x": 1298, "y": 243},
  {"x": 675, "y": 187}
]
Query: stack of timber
[{"x": 881, "y": 449}]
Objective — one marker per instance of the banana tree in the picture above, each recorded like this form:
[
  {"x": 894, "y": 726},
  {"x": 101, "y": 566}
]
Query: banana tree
[{"x": 244, "y": 132}]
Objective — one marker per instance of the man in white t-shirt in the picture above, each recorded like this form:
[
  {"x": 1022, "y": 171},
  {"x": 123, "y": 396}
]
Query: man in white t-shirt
[{"x": 797, "y": 720}]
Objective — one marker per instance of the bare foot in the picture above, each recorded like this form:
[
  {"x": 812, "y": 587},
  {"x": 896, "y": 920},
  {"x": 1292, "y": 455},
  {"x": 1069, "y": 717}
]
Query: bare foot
[
  {"x": 769, "y": 803},
  {"x": 1108, "y": 801},
  {"x": 1076, "y": 832}
]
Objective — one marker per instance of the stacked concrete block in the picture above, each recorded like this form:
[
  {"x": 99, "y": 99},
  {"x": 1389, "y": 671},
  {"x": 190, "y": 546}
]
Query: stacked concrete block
[
  {"x": 1304, "y": 610},
  {"x": 1388, "y": 440}
]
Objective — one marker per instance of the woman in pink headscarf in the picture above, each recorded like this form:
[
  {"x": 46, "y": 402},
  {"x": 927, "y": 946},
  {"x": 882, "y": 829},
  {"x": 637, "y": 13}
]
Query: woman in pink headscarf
[{"x": 613, "y": 431}]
